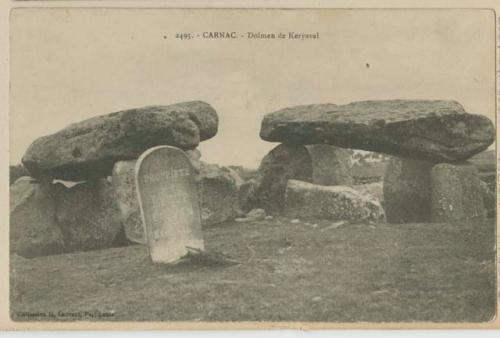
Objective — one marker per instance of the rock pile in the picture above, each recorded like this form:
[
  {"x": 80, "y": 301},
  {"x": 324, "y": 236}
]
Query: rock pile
[
  {"x": 319, "y": 164},
  {"x": 420, "y": 133},
  {"x": 102, "y": 209}
]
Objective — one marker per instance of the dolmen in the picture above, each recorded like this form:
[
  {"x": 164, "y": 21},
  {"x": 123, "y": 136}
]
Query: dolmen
[
  {"x": 428, "y": 179},
  {"x": 80, "y": 193}
]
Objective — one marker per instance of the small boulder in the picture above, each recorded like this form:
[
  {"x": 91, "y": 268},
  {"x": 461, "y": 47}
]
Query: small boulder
[
  {"x": 407, "y": 191},
  {"x": 456, "y": 193},
  {"x": 88, "y": 215},
  {"x": 33, "y": 228},
  {"x": 336, "y": 203},
  {"x": 318, "y": 164},
  {"x": 88, "y": 149}
]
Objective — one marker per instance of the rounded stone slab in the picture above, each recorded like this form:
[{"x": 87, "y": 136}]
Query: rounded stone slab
[
  {"x": 89, "y": 149},
  {"x": 436, "y": 131}
]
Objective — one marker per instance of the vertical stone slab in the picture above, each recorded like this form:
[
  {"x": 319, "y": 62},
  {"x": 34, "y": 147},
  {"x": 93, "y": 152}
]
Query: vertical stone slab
[
  {"x": 330, "y": 165},
  {"x": 168, "y": 199},
  {"x": 456, "y": 193},
  {"x": 33, "y": 227},
  {"x": 407, "y": 191},
  {"x": 123, "y": 180}
]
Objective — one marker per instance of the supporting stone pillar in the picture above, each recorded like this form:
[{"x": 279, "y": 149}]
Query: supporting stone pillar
[
  {"x": 407, "y": 191},
  {"x": 456, "y": 193}
]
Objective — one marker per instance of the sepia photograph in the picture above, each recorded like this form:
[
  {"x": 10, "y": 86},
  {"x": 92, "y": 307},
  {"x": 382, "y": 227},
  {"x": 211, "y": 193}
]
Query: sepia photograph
[{"x": 261, "y": 165}]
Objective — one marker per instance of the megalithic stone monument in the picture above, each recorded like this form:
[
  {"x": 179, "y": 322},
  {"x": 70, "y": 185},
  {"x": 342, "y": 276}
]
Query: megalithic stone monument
[{"x": 169, "y": 204}]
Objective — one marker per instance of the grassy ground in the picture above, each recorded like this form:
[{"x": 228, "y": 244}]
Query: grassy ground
[{"x": 288, "y": 272}]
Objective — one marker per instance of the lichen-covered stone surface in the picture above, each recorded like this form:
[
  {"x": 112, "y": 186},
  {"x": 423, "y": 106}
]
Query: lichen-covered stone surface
[
  {"x": 123, "y": 181},
  {"x": 336, "y": 203},
  {"x": 33, "y": 229},
  {"x": 89, "y": 149},
  {"x": 218, "y": 191},
  {"x": 318, "y": 164},
  {"x": 436, "y": 131},
  {"x": 456, "y": 193},
  {"x": 375, "y": 189},
  {"x": 407, "y": 191},
  {"x": 88, "y": 216}
]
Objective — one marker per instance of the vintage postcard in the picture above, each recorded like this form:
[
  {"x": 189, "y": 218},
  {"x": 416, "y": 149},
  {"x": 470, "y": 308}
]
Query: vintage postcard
[{"x": 283, "y": 166}]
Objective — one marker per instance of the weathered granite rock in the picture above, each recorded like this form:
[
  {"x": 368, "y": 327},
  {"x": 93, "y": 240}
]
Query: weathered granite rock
[
  {"x": 194, "y": 156},
  {"x": 247, "y": 195},
  {"x": 318, "y": 164},
  {"x": 489, "y": 200},
  {"x": 435, "y": 131},
  {"x": 407, "y": 191},
  {"x": 33, "y": 228},
  {"x": 375, "y": 189},
  {"x": 123, "y": 181},
  {"x": 17, "y": 171},
  {"x": 89, "y": 149},
  {"x": 456, "y": 193},
  {"x": 486, "y": 165},
  {"x": 337, "y": 203},
  {"x": 218, "y": 193},
  {"x": 245, "y": 173},
  {"x": 88, "y": 215}
]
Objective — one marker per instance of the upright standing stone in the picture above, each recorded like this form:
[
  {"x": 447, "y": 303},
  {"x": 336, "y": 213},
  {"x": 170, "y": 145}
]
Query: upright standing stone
[
  {"x": 407, "y": 191},
  {"x": 456, "y": 193},
  {"x": 123, "y": 180},
  {"x": 169, "y": 204},
  {"x": 33, "y": 228},
  {"x": 88, "y": 215}
]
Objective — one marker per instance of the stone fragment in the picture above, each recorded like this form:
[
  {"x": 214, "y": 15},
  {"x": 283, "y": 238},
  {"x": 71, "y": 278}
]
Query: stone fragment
[
  {"x": 336, "y": 203},
  {"x": 88, "y": 215},
  {"x": 407, "y": 191},
  {"x": 456, "y": 193},
  {"x": 33, "y": 227},
  {"x": 435, "y": 131},
  {"x": 88, "y": 149},
  {"x": 318, "y": 164}
]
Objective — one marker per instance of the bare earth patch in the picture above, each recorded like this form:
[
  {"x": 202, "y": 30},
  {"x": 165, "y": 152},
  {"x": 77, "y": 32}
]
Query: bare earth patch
[{"x": 288, "y": 272}]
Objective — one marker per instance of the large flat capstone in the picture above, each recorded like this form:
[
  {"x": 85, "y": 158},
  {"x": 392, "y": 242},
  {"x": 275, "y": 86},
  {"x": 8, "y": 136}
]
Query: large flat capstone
[
  {"x": 435, "y": 131},
  {"x": 89, "y": 149}
]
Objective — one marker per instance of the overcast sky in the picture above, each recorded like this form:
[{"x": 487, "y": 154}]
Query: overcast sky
[{"x": 71, "y": 64}]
